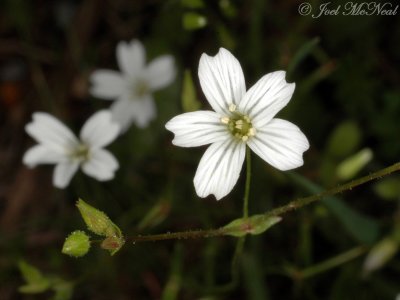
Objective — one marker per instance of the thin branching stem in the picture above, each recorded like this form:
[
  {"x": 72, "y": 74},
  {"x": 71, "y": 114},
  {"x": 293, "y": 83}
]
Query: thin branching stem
[{"x": 293, "y": 205}]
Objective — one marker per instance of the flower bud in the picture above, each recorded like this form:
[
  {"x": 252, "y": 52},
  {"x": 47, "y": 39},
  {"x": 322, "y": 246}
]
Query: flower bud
[
  {"x": 112, "y": 244},
  {"x": 77, "y": 244},
  {"x": 97, "y": 221}
]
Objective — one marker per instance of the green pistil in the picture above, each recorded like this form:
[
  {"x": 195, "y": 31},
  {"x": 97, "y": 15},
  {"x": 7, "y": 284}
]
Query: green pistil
[
  {"x": 81, "y": 153},
  {"x": 239, "y": 125},
  {"x": 141, "y": 88}
]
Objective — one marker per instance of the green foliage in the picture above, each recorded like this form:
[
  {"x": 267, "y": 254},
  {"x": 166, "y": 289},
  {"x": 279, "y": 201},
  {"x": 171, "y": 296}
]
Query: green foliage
[
  {"x": 35, "y": 281},
  {"x": 189, "y": 98},
  {"x": 193, "y": 21},
  {"x": 253, "y": 225},
  {"x": 350, "y": 167}
]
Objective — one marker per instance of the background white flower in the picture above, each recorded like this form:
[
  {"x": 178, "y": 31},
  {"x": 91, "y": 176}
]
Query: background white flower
[
  {"x": 58, "y": 145},
  {"x": 240, "y": 118},
  {"x": 132, "y": 88}
]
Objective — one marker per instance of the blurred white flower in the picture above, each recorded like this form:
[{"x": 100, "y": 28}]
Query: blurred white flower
[
  {"x": 59, "y": 146},
  {"x": 239, "y": 118},
  {"x": 132, "y": 88}
]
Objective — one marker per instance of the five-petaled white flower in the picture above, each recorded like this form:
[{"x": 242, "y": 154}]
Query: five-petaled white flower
[
  {"x": 133, "y": 87},
  {"x": 58, "y": 145},
  {"x": 239, "y": 118}
]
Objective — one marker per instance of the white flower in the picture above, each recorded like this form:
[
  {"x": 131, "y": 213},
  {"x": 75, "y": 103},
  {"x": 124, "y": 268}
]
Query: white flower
[
  {"x": 134, "y": 86},
  {"x": 239, "y": 118},
  {"x": 58, "y": 145}
]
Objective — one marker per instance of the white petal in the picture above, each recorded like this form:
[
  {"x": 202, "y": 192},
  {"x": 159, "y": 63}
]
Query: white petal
[
  {"x": 49, "y": 131},
  {"x": 198, "y": 128},
  {"x": 107, "y": 84},
  {"x": 131, "y": 57},
  {"x": 219, "y": 168},
  {"x": 101, "y": 165},
  {"x": 41, "y": 154},
  {"x": 99, "y": 130},
  {"x": 64, "y": 172},
  {"x": 160, "y": 72},
  {"x": 266, "y": 98},
  {"x": 140, "y": 111},
  {"x": 281, "y": 144},
  {"x": 222, "y": 80}
]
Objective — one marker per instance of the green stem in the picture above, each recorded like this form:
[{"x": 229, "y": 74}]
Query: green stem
[
  {"x": 247, "y": 186},
  {"x": 293, "y": 205}
]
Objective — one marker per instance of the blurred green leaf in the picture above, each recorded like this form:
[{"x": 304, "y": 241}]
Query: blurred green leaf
[
  {"x": 192, "y": 3},
  {"x": 363, "y": 228},
  {"x": 301, "y": 54},
  {"x": 189, "y": 98},
  {"x": 63, "y": 289},
  {"x": 36, "y": 282},
  {"x": 344, "y": 140},
  {"x": 193, "y": 21},
  {"x": 380, "y": 254},
  {"x": 350, "y": 167},
  {"x": 173, "y": 285},
  {"x": 388, "y": 188},
  {"x": 254, "y": 225},
  {"x": 228, "y": 9}
]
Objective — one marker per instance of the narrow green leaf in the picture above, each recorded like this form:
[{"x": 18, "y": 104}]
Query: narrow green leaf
[
  {"x": 254, "y": 225},
  {"x": 193, "y": 21},
  {"x": 156, "y": 215},
  {"x": 189, "y": 99},
  {"x": 361, "y": 227},
  {"x": 302, "y": 53},
  {"x": 350, "y": 167},
  {"x": 171, "y": 289}
]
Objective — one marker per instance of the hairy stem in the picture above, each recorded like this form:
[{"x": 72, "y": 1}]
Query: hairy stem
[{"x": 293, "y": 205}]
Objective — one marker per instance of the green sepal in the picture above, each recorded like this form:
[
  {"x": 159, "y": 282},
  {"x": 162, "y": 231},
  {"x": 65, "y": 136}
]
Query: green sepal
[
  {"x": 97, "y": 221},
  {"x": 253, "y": 225},
  {"x": 77, "y": 244}
]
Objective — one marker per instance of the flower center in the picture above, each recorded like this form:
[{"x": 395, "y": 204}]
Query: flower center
[
  {"x": 239, "y": 125},
  {"x": 140, "y": 88},
  {"x": 81, "y": 153}
]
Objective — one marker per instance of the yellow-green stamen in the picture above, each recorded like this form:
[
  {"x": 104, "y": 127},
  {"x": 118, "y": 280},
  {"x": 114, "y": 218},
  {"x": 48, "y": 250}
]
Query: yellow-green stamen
[{"x": 238, "y": 124}]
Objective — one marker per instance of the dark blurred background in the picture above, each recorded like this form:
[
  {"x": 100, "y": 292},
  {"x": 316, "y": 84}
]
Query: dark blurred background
[{"x": 347, "y": 102}]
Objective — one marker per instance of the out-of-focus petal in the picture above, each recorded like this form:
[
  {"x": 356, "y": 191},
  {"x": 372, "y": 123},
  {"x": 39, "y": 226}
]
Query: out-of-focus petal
[
  {"x": 99, "y": 130},
  {"x": 160, "y": 72},
  {"x": 49, "y": 131},
  {"x": 281, "y": 144},
  {"x": 222, "y": 80},
  {"x": 198, "y": 128},
  {"x": 63, "y": 173},
  {"x": 41, "y": 154},
  {"x": 107, "y": 84},
  {"x": 131, "y": 57},
  {"x": 266, "y": 98},
  {"x": 219, "y": 168},
  {"x": 101, "y": 165}
]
